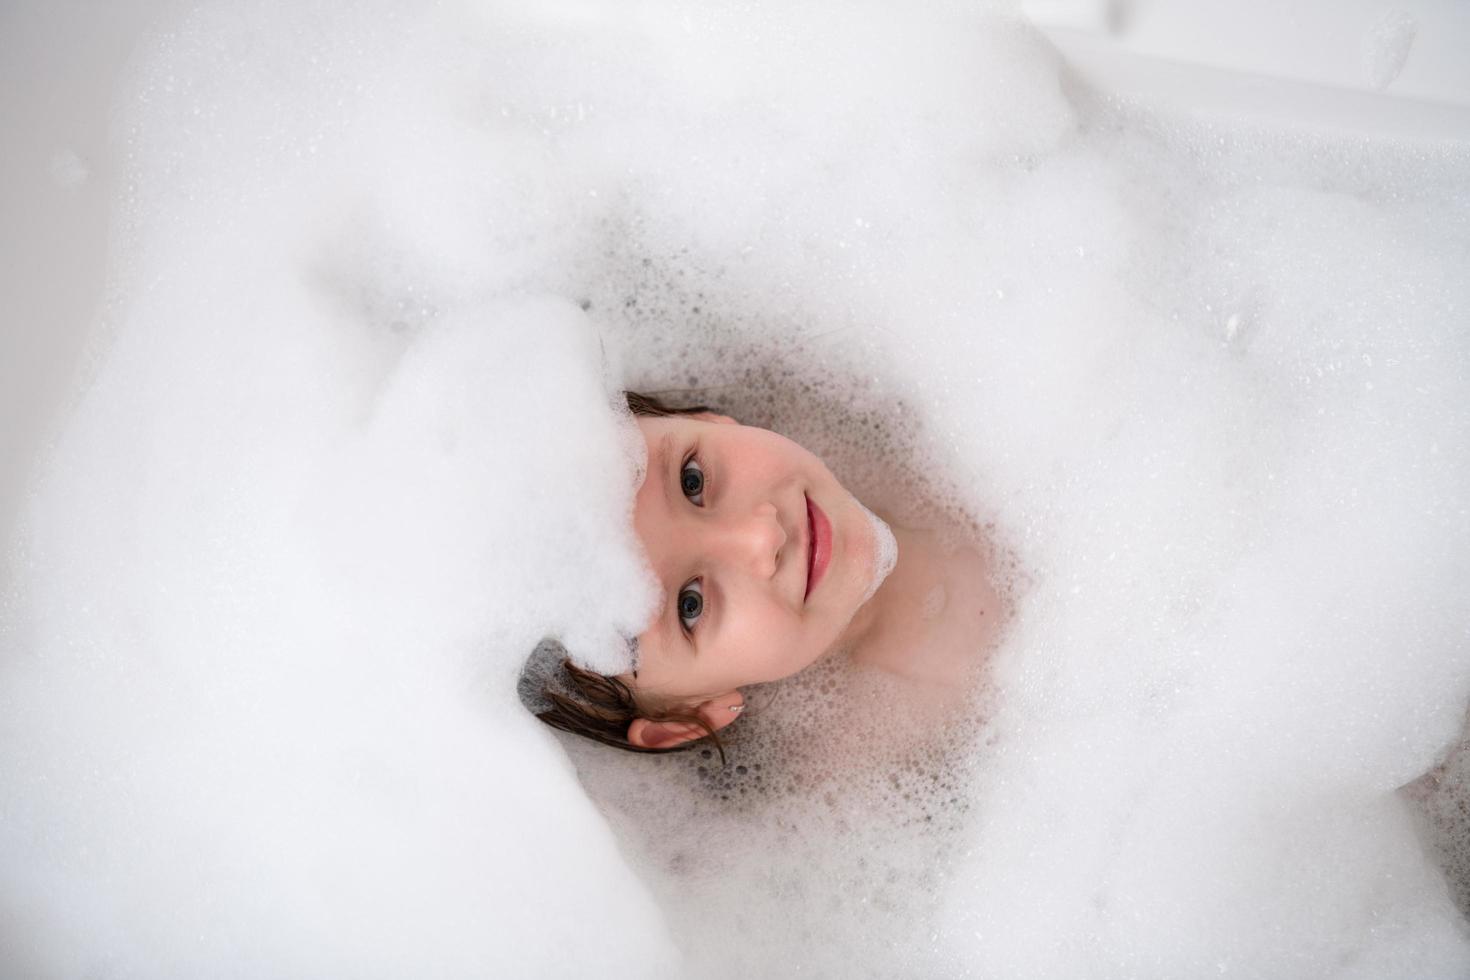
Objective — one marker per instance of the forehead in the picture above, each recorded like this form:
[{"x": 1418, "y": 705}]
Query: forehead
[
  {"x": 654, "y": 498},
  {"x": 653, "y": 520},
  {"x": 655, "y": 427},
  {"x": 659, "y": 498}
]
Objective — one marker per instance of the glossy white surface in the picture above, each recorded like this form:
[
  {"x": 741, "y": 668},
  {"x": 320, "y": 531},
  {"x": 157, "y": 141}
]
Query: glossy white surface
[{"x": 1368, "y": 66}]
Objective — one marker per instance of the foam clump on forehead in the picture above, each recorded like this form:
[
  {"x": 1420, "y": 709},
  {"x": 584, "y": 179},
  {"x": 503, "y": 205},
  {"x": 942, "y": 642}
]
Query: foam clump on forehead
[
  {"x": 541, "y": 462},
  {"x": 288, "y": 633}
]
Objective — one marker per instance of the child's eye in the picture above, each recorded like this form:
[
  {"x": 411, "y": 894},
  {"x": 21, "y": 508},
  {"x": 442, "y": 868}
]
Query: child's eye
[
  {"x": 691, "y": 481},
  {"x": 691, "y": 604}
]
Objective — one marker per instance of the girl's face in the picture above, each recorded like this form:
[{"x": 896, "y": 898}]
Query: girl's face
[{"x": 763, "y": 558}]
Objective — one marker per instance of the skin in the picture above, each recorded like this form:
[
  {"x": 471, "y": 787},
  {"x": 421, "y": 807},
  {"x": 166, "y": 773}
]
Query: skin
[{"x": 741, "y": 541}]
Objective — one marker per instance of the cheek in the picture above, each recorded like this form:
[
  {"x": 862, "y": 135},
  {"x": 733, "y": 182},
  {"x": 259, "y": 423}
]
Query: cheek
[
  {"x": 784, "y": 646},
  {"x": 767, "y": 456}
]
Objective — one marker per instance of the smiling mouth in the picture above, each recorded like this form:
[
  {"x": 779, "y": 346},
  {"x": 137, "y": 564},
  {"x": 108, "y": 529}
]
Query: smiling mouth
[{"x": 819, "y": 545}]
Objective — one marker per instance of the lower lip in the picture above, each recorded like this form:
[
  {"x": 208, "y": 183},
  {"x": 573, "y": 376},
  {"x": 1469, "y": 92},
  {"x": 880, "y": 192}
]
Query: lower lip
[{"x": 819, "y": 551}]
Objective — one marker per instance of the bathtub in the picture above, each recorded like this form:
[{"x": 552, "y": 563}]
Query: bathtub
[
  {"x": 1354, "y": 69},
  {"x": 1381, "y": 69}
]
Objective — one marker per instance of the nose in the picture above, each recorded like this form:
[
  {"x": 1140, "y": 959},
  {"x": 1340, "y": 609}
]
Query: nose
[{"x": 753, "y": 541}]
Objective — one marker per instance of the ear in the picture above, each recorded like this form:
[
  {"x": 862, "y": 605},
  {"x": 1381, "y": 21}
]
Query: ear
[
  {"x": 716, "y": 713},
  {"x": 713, "y": 417}
]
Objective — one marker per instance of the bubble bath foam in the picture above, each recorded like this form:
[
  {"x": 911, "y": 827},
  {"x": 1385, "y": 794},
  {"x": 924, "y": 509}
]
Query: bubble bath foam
[{"x": 342, "y": 451}]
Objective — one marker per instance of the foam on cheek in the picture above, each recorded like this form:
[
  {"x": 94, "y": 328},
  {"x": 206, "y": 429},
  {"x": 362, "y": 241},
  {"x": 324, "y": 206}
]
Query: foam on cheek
[{"x": 885, "y": 552}]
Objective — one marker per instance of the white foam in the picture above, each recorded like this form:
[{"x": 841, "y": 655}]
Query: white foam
[
  {"x": 347, "y": 456},
  {"x": 885, "y": 552}
]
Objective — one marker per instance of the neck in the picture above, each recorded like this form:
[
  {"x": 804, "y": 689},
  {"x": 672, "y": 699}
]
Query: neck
[
  {"x": 933, "y": 617},
  {"x": 880, "y": 609}
]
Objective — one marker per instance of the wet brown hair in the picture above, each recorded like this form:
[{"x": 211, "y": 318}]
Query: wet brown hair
[{"x": 599, "y": 707}]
